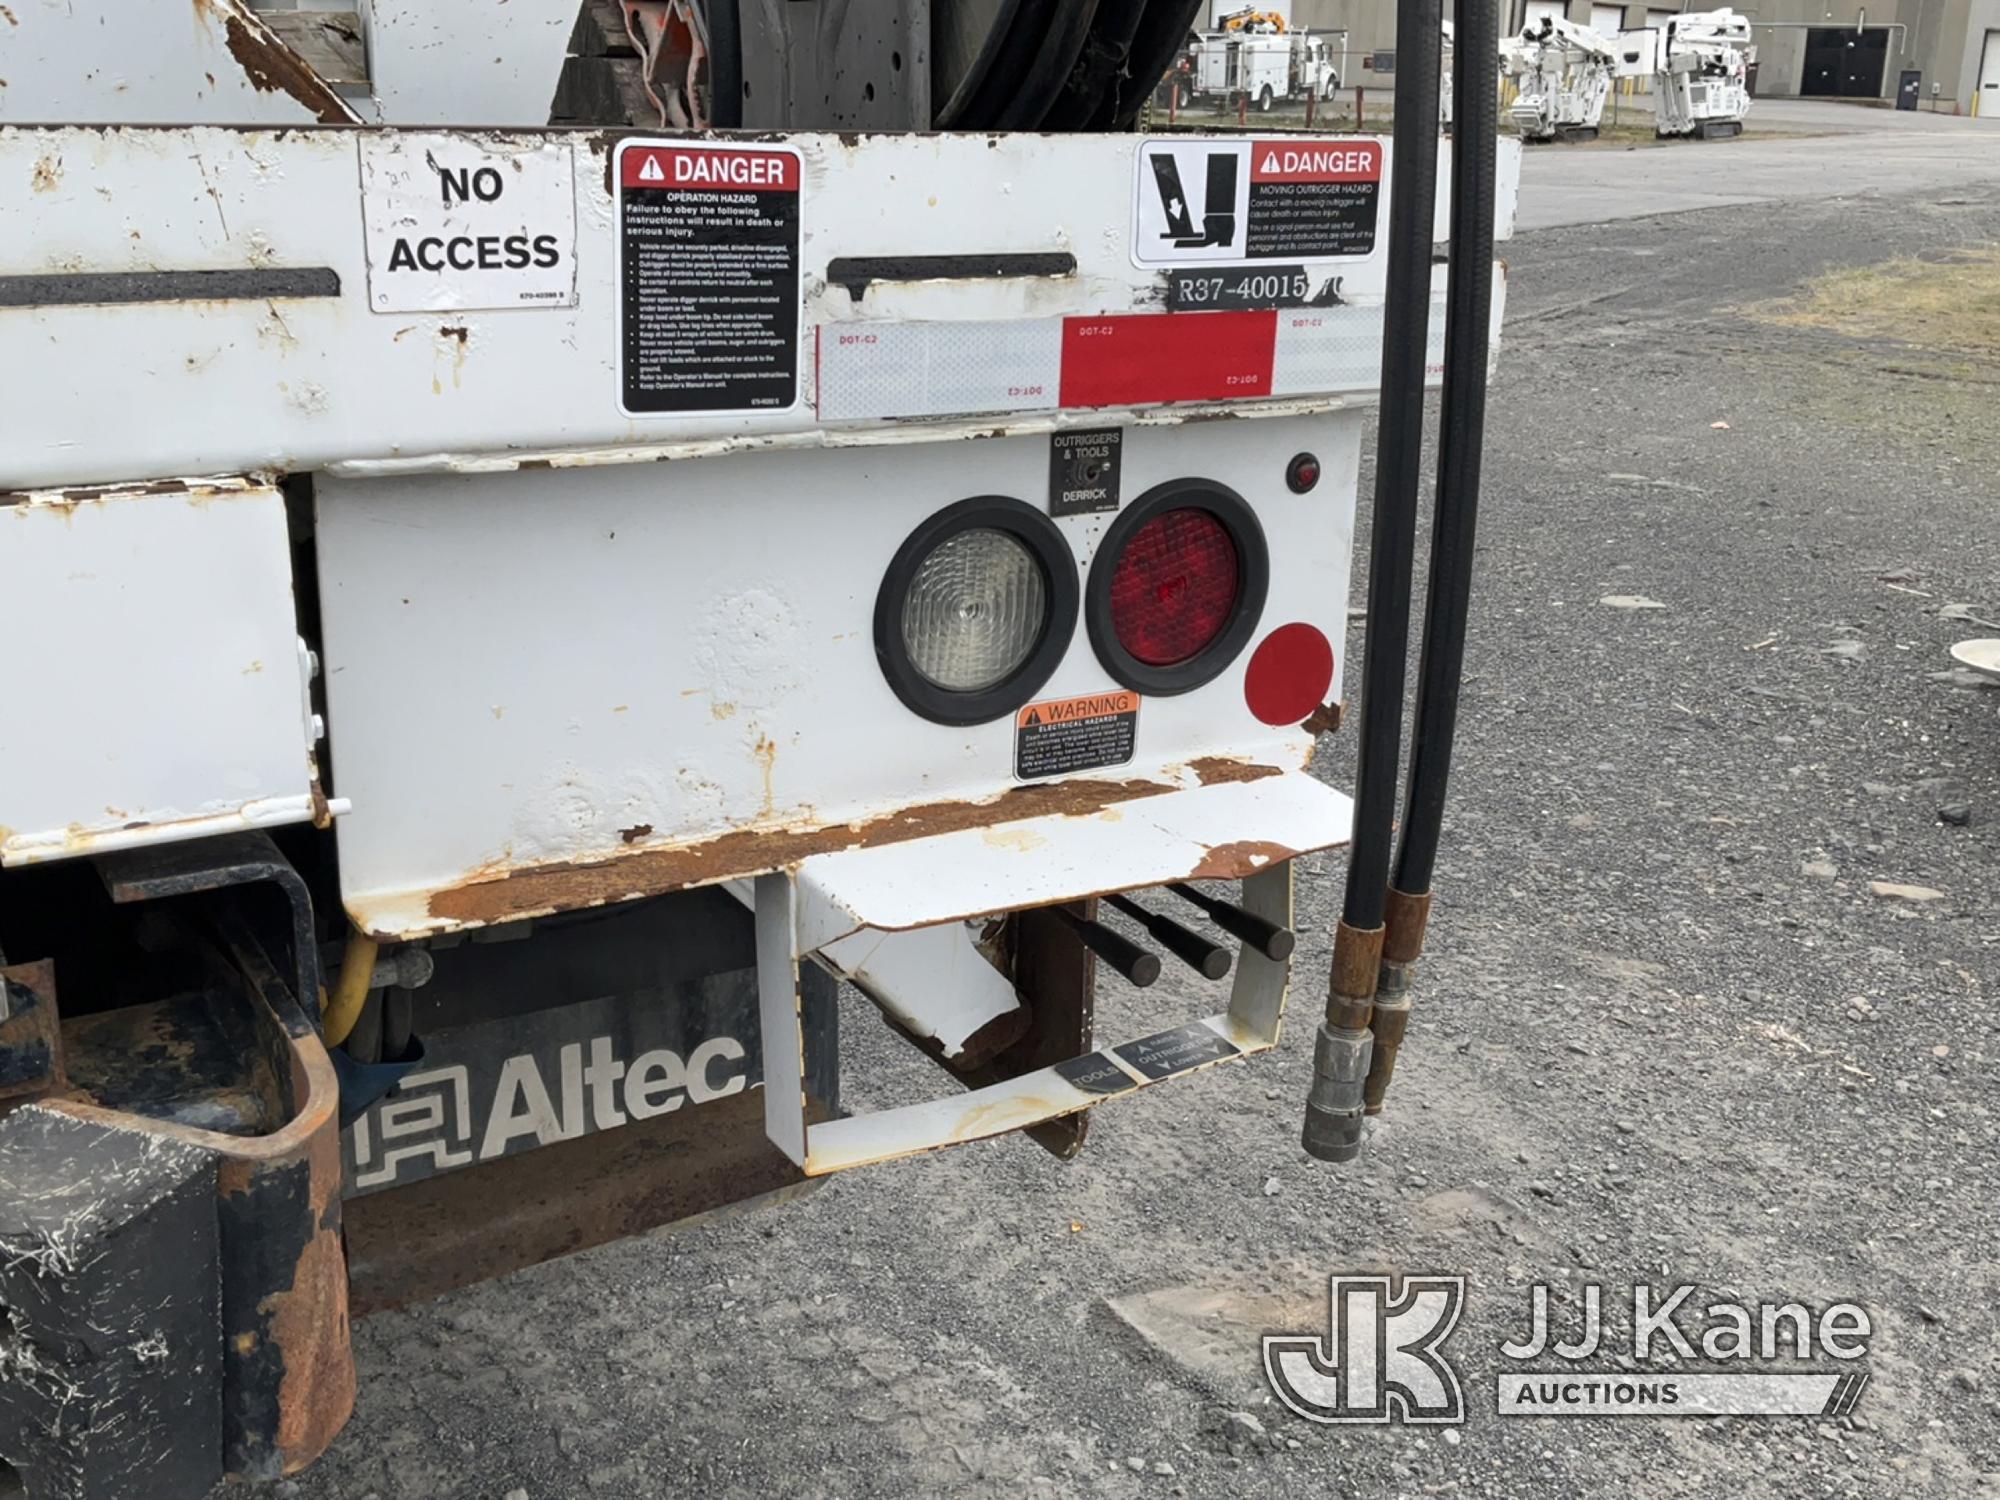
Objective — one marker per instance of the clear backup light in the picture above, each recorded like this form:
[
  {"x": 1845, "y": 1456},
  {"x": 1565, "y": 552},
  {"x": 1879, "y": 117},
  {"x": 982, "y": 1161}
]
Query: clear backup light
[{"x": 974, "y": 610}]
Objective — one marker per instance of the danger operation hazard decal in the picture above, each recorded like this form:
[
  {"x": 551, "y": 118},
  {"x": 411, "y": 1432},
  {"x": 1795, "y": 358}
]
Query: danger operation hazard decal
[
  {"x": 1066, "y": 735},
  {"x": 1206, "y": 202},
  {"x": 708, "y": 277}
]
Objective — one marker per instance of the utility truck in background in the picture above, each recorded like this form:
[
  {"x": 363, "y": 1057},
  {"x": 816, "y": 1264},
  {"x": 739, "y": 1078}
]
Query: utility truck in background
[
  {"x": 1698, "y": 62},
  {"x": 1254, "y": 57},
  {"x": 1561, "y": 74},
  {"x": 557, "y": 557}
]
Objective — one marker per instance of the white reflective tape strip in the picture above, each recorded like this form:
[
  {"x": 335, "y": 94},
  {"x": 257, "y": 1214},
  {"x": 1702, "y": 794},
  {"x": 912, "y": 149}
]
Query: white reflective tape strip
[
  {"x": 1321, "y": 350},
  {"x": 874, "y": 370},
  {"x": 938, "y": 369}
]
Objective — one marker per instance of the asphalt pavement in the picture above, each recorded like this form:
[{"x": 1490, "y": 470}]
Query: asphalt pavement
[
  {"x": 1667, "y": 1029},
  {"x": 1792, "y": 151}
]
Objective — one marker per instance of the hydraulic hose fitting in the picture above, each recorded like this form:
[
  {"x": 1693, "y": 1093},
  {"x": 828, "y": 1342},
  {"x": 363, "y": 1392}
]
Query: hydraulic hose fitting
[
  {"x": 1405, "y": 920},
  {"x": 1335, "y": 1103}
]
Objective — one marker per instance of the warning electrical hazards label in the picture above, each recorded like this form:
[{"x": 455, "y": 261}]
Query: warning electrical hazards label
[
  {"x": 708, "y": 277},
  {"x": 455, "y": 225},
  {"x": 1065, "y": 735},
  {"x": 1207, "y": 202}
]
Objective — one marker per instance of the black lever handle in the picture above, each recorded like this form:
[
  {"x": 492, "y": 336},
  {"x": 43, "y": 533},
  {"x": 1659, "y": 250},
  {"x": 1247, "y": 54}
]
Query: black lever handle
[
  {"x": 1127, "y": 957},
  {"x": 1267, "y": 937},
  {"x": 1190, "y": 947}
]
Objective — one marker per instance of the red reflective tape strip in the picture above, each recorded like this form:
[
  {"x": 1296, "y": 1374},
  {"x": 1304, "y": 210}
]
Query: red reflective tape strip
[{"x": 1144, "y": 358}]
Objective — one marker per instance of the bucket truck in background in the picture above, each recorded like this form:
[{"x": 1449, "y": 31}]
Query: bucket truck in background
[
  {"x": 1698, "y": 62},
  {"x": 1263, "y": 63},
  {"x": 1254, "y": 56},
  {"x": 1561, "y": 73}
]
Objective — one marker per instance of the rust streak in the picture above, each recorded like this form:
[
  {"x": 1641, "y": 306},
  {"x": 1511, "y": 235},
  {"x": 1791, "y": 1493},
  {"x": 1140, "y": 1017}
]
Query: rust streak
[
  {"x": 274, "y": 68},
  {"x": 498, "y": 895},
  {"x": 1239, "y": 860},
  {"x": 1324, "y": 720},
  {"x": 1217, "y": 770}
]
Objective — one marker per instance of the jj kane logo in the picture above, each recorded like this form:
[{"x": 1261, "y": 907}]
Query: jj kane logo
[{"x": 1382, "y": 1358}]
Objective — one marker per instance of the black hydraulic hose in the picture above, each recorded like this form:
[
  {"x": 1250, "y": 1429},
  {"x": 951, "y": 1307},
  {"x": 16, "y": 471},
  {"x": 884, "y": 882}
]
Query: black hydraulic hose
[
  {"x": 1398, "y": 459},
  {"x": 725, "y": 64},
  {"x": 1462, "y": 434},
  {"x": 1343, "y": 1051}
]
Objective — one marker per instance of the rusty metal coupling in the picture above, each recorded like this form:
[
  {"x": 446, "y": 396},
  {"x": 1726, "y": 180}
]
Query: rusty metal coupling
[
  {"x": 1403, "y": 943},
  {"x": 1334, "y": 1104}
]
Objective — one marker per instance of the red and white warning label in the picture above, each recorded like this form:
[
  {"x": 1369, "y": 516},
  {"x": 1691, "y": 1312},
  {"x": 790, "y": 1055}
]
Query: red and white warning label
[
  {"x": 1313, "y": 198},
  {"x": 1208, "y": 202},
  {"x": 708, "y": 277},
  {"x": 1064, "y": 735}
]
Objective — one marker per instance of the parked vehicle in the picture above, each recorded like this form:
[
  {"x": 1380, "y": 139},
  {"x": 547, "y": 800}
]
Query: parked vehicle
[
  {"x": 1698, "y": 61},
  {"x": 529, "y": 618}
]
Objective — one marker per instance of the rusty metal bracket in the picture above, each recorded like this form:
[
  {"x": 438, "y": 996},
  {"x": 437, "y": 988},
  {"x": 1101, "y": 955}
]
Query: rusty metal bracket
[
  {"x": 153, "y": 872},
  {"x": 31, "y": 1050},
  {"x": 1056, "y": 974}
]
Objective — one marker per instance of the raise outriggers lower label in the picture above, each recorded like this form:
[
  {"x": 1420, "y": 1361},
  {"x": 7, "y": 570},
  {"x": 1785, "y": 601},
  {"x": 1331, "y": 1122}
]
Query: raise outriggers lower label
[{"x": 708, "y": 277}]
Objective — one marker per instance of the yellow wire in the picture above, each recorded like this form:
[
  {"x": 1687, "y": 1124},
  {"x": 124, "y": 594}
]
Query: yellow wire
[{"x": 350, "y": 991}]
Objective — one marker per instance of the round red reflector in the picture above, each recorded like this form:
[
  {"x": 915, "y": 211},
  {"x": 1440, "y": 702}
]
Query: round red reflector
[
  {"x": 1289, "y": 675},
  {"x": 1174, "y": 587}
]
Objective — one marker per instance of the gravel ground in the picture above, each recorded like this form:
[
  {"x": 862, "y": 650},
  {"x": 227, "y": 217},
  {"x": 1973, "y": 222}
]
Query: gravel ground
[{"x": 1665, "y": 1030}]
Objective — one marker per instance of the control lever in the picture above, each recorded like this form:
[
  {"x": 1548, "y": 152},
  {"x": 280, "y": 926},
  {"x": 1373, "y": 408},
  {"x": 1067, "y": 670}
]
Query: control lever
[
  {"x": 1190, "y": 947},
  {"x": 1127, "y": 957},
  {"x": 1267, "y": 937}
]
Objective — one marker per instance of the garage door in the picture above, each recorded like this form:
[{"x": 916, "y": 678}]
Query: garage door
[{"x": 1607, "y": 20}]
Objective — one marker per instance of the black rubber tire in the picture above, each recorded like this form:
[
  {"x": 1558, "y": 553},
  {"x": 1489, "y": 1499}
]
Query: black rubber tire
[
  {"x": 1098, "y": 66},
  {"x": 1161, "y": 32}
]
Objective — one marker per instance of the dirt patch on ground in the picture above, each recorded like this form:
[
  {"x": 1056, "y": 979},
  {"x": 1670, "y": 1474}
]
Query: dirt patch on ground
[{"x": 1946, "y": 304}]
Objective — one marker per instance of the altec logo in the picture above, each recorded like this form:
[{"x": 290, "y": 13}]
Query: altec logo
[
  {"x": 1379, "y": 1361},
  {"x": 434, "y": 1118}
]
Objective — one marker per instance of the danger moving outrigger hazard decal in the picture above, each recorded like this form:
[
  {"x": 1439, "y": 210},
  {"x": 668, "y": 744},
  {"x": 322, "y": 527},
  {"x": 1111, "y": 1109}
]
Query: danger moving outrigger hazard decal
[
  {"x": 1201, "y": 202},
  {"x": 708, "y": 277}
]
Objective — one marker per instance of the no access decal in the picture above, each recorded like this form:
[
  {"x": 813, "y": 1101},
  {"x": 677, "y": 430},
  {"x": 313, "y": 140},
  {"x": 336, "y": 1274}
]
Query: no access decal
[
  {"x": 708, "y": 277},
  {"x": 1218, "y": 202},
  {"x": 455, "y": 226}
]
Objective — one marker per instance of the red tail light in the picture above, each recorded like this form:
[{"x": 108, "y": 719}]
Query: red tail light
[{"x": 1175, "y": 587}]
